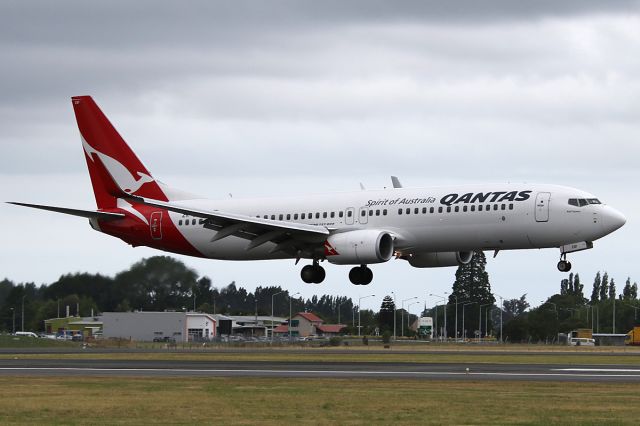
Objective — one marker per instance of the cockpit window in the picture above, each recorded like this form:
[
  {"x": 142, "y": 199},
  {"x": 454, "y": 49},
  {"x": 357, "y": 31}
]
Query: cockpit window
[{"x": 581, "y": 202}]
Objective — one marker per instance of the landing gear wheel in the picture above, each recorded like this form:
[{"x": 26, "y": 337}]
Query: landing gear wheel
[
  {"x": 313, "y": 274},
  {"x": 307, "y": 274},
  {"x": 361, "y": 275},
  {"x": 564, "y": 266}
]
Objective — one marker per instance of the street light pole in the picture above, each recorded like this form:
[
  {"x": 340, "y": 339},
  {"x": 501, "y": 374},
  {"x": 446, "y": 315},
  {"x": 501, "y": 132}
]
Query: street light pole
[
  {"x": 289, "y": 325},
  {"x": 394, "y": 316},
  {"x": 23, "y": 311},
  {"x": 360, "y": 301},
  {"x": 444, "y": 301},
  {"x": 480, "y": 322},
  {"x": 501, "y": 309},
  {"x": 409, "y": 312},
  {"x": 402, "y": 321},
  {"x": 13, "y": 312},
  {"x": 272, "y": 296}
]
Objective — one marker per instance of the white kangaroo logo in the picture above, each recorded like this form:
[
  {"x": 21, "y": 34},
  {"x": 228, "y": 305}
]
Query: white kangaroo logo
[{"x": 124, "y": 179}]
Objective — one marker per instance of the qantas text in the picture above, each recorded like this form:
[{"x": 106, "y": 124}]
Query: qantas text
[{"x": 485, "y": 197}]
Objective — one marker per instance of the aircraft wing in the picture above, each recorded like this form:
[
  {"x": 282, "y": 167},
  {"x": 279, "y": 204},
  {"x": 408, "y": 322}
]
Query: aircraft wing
[
  {"x": 89, "y": 214},
  {"x": 289, "y": 236}
]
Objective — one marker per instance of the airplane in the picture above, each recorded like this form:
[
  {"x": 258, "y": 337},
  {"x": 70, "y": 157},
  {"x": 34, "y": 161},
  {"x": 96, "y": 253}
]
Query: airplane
[{"x": 426, "y": 227}]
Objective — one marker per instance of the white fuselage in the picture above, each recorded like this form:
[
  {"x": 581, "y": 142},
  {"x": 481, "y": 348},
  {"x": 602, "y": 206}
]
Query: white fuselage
[{"x": 437, "y": 219}]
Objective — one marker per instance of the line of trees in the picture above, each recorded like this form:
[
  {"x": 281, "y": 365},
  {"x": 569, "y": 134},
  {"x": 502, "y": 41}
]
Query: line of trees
[{"x": 163, "y": 283}]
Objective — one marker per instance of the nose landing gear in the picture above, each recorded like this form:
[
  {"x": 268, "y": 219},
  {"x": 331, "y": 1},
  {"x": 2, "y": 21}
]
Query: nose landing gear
[
  {"x": 564, "y": 265},
  {"x": 313, "y": 274},
  {"x": 361, "y": 275}
]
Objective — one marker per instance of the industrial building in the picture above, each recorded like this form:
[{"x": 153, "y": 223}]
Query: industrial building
[{"x": 159, "y": 326}]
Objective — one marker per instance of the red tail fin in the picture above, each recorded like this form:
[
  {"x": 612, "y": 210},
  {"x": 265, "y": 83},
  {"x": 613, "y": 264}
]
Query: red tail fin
[{"x": 105, "y": 150}]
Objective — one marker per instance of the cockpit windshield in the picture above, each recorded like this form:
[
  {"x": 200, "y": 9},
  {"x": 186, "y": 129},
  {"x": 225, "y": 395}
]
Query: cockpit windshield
[{"x": 581, "y": 202}]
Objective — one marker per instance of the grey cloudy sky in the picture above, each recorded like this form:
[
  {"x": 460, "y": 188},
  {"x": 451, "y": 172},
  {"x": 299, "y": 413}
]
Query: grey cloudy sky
[{"x": 291, "y": 97}]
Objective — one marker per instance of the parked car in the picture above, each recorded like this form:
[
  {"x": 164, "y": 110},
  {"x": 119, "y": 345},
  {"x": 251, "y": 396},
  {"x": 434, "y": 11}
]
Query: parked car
[{"x": 26, "y": 334}]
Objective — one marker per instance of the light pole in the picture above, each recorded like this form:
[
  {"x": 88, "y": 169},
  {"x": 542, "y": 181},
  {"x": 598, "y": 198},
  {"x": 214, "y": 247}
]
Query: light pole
[
  {"x": 501, "y": 309},
  {"x": 408, "y": 312},
  {"x": 444, "y": 301},
  {"x": 464, "y": 330},
  {"x": 13, "y": 312},
  {"x": 289, "y": 325},
  {"x": 272, "y": 296},
  {"x": 614, "y": 316},
  {"x": 480, "y": 321},
  {"x": 402, "y": 321},
  {"x": 23, "y": 311},
  {"x": 394, "y": 316},
  {"x": 360, "y": 301}
]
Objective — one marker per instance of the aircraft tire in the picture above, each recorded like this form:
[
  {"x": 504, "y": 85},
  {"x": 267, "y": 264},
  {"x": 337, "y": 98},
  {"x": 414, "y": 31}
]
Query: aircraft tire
[
  {"x": 319, "y": 274},
  {"x": 308, "y": 274}
]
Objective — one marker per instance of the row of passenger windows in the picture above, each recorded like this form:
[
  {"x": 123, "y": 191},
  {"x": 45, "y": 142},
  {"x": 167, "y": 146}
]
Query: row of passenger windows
[
  {"x": 581, "y": 202},
  {"x": 457, "y": 209},
  {"x": 376, "y": 212}
]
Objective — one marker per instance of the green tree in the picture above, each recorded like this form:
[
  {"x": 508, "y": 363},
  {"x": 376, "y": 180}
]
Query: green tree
[
  {"x": 626, "y": 291},
  {"x": 612, "y": 289},
  {"x": 515, "y": 307},
  {"x": 578, "y": 288},
  {"x": 634, "y": 291},
  {"x": 604, "y": 287},
  {"x": 595, "y": 294},
  {"x": 471, "y": 285},
  {"x": 387, "y": 312}
]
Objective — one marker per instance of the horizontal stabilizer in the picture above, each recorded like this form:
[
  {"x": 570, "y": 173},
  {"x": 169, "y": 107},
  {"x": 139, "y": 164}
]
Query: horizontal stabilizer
[{"x": 89, "y": 214}]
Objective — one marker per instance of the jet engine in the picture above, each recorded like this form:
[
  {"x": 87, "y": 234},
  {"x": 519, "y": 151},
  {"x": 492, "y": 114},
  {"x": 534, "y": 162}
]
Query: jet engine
[
  {"x": 440, "y": 259},
  {"x": 360, "y": 247}
]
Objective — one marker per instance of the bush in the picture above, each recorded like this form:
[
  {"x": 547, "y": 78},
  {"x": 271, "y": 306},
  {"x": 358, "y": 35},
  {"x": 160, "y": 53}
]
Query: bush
[
  {"x": 386, "y": 337},
  {"x": 335, "y": 341}
]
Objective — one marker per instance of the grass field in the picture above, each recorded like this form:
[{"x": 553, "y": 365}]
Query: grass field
[
  {"x": 323, "y": 356},
  {"x": 311, "y": 401}
]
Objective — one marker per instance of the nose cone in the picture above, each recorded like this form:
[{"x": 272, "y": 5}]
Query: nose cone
[{"x": 612, "y": 220}]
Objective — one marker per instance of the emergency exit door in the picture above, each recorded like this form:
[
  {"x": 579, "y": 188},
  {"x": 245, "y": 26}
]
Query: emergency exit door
[
  {"x": 155, "y": 224},
  {"x": 542, "y": 206}
]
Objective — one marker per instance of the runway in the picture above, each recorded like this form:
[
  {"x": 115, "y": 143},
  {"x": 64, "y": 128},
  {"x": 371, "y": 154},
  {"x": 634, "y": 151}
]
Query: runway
[{"x": 389, "y": 370}]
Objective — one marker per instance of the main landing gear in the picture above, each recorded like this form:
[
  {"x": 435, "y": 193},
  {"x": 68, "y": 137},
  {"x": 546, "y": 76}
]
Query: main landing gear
[
  {"x": 564, "y": 265},
  {"x": 361, "y": 275},
  {"x": 313, "y": 274}
]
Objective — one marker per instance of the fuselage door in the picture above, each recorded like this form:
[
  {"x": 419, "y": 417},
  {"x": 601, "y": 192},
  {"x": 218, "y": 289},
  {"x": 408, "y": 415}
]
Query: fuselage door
[
  {"x": 363, "y": 215},
  {"x": 542, "y": 206},
  {"x": 155, "y": 224},
  {"x": 349, "y": 214}
]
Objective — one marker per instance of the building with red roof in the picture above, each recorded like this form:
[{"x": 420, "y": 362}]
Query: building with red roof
[{"x": 305, "y": 324}]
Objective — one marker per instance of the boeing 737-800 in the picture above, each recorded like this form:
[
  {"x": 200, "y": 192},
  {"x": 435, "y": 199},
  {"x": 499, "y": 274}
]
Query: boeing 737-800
[{"x": 427, "y": 227}]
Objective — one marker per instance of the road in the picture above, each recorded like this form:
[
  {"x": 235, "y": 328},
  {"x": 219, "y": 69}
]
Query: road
[{"x": 391, "y": 370}]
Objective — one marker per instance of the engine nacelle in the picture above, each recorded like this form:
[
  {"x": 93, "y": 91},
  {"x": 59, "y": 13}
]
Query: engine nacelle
[
  {"x": 360, "y": 247},
  {"x": 440, "y": 259}
]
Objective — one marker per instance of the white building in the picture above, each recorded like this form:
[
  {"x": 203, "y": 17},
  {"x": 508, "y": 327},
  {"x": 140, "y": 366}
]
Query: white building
[{"x": 159, "y": 326}]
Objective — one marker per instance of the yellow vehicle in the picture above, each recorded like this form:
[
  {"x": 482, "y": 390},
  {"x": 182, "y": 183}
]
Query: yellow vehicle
[{"x": 633, "y": 337}]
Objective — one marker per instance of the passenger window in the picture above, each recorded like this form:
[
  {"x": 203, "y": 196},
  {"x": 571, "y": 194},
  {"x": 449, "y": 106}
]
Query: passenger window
[
  {"x": 510, "y": 206},
  {"x": 464, "y": 208},
  {"x": 273, "y": 217},
  {"x": 266, "y": 217},
  {"x": 480, "y": 208},
  {"x": 573, "y": 202},
  {"x": 302, "y": 216},
  {"x": 280, "y": 217},
  {"x": 495, "y": 207},
  {"x": 473, "y": 208},
  {"x": 288, "y": 216},
  {"x": 457, "y": 209},
  {"x": 424, "y": 210},
  {"x": 377, "y": 212},
  {"x": 399, "y": 211},
  {"x": 449, "y": 209},
  {"x": 439, "y": 209},
  {"x": 324, "y": 215},
  {"x": 333, "y": 214},
  {"x": 431, "y": 210},
  {"x": 503, "y": 207},
  {"x": 370, "y": 212},
  {"x": 349, "y": 213},
  {"x": 340, "y": 213},
  {"x": 317, "y": 215},
  {"x": 384, "y": 212},
  {"x": 295, "y": 216},
  {"x": 363, "y": 213},
  {"x": 408, "y": 211},
  {"x": 193, "y": 221},
  {"x": 180, "y": 222}
]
